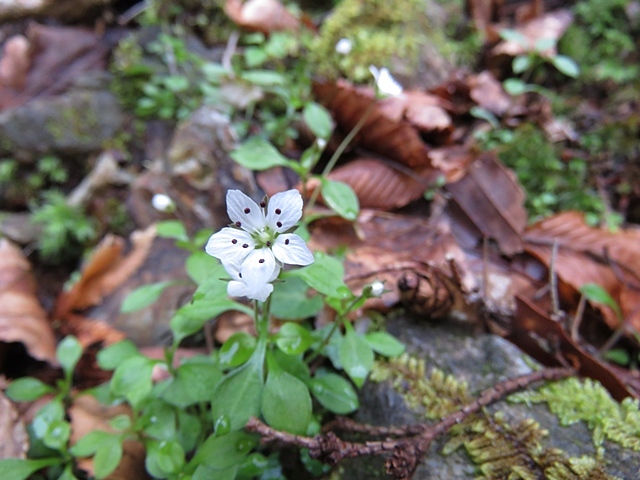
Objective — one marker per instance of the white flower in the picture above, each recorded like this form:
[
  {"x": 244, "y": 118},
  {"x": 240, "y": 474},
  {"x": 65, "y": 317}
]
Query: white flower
[
  {"x": 163, "y": 203},
  {"x": 386, "y": 84},
  {"x": 344, "y": 46},
  {"x": 238, "y": 287},
  {"x": 257, "y": 244},
  {"x": 377, "y": 288}
]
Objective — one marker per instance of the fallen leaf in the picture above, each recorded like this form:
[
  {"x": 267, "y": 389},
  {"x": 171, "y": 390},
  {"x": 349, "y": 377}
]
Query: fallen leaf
[
  {"x": 488, "y": 202},
  {"x": 22, "y": 318},
  {"x": 264, "y": 16},
  {"x": 488, "y": 93},
  {"x": 15, "y": 62},
  {"x": 592, "y": 255},
  {"x": 106, "y": 269}
]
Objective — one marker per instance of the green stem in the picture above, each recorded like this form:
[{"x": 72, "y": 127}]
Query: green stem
[{"x": 341, "y": 148}]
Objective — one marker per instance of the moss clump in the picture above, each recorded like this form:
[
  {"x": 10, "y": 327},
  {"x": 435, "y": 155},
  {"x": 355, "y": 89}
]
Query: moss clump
[
  {"x": 500, "y": 448},
  {"x": 378, "y": 30},
  {"x": 574, "y": 400}
]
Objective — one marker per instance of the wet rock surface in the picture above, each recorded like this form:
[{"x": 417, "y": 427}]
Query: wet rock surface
[{"x": 482, "y": 360}]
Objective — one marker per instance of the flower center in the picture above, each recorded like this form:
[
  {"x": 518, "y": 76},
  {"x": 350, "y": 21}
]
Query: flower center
[{"x": 264, "y": 237}]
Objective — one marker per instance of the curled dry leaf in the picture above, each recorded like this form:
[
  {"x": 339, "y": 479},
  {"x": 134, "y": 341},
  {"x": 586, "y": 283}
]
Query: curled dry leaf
[
  {"x": 592, "y": 255},
  {"x": 22, "y": 318},
  {"x": 261, "y": 15},
  {"x": 488, "y": 93},
  {"x": 383, "y": 130},
  {"x": 107, "y": 268}
]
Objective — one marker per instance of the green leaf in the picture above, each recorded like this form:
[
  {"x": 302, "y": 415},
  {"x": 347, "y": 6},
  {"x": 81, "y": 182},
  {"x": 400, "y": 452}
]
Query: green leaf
[
  {"x": 200, "y": 266},
  {"x": 190, "y": 318},
  {"x": 57, "y": 434},
  {"x": 113, "y": 355},
  {"x": 318, "y": 119},
  {"x": 293, "y": 339},
  {"x": 19, "y": 469},
  {"x": 120, "y": 422},
  {"x": 385, "y": 344},
  {"x": 566, "y": 65},
  {"x": 51, "y": 413},
  {"x": 515, "y": 86},
  {"x": 263, "y": 78},
  {"x": 172, "y": 229},
  {"x": 595, "y": 293},
  {"x": 68, "y": 353},
  {"x": 325, "y": 275},
  {"x": 356, "y": 356},
  {"x": 107, "y": 457},
  {"x": 290, "y": 300},
  {"x": 164, "y": 458},
  {"x": 195, "y": 379},
  {"x": 511, "y": 35},
  {"x": 27, "y": 389},
  {"x": 286, "y": 402},
  {"x": 237, "y": 396},
  {"x": 203, "y": 472},
  {"x": 618, "y": 355},
  {"x": 221, "y": 452},
  {"x": 334, "y": 393},
  {"x": 521, "y": 63},
  {"x": 144, "y": 296},
  {"x": 90, "y": 443},
  {"x": 341, "y": 198},
  {"x": 132, "y": 380},
  {"x": 258, "y": 154},
  {"x": 159, "y": 420},
  {"x": 237, "y": 349}
]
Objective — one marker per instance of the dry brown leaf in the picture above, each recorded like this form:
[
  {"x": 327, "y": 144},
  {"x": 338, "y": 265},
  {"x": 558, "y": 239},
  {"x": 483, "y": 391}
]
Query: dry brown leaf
[
  {"x": 488, "y": 93},
  {"x": 105, "y": 271},
  {"x": 383, "y": 128},
  {"x": 592, "y": 255},
  {"x": 489, "y": 202},
  {"x": 232, "y": 322},
  {"x": 14, "y": 440},
  {"x": 15, "y": 62},
  {"x": 261, "y": 15},
  {"x": 88, "y": 415},
  {"x": 383, "y": 185},
  {"x": 22, "y": 318}
]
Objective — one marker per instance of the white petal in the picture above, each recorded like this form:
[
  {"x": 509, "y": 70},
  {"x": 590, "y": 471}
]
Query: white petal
[
  {"x": 285, "y": 209},
  {"x": 257, "y": 268},
  {"x": 386, "y": 84},
  {"x": 290, "y": 248},
  {"x": 240, "y": 289},
  {"x": 244, "y": 212},
  {"x": 230, "y": 245}
]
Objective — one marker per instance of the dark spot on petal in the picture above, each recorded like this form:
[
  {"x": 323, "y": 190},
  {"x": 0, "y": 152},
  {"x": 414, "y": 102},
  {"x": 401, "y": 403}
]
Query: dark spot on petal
[
  {"x": 278, "y": 211},
  {"x": 239, "y": 275},
  {"x": 261, "y": 260},
  {"x": 238, "y": 224},
  {"x": 279, "y": 224},
  {"x": 268, "y": 244},
  {"x": 246, "y": 245},
  {"x": 263, "y": 204},
  {"x": 234, "y": 241},
  {"x": 286, "y": 242},
  {"x": 247, "y": 210}
]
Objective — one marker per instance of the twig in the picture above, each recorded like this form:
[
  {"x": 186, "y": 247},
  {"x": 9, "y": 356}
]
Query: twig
[
  {"x": 407, "y": 451},
  {"x": 553, "y": 282}
]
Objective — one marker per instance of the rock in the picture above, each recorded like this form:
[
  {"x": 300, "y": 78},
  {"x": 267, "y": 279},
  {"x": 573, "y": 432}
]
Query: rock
[
  {"x": 75, "y": 123},
  {"x": 482, "y": 360}
]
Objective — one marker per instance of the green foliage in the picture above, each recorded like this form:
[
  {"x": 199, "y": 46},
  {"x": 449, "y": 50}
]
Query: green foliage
[
  {"x": 378, "y": 30},
  {"x": 604, "y": 41},
  {"x": 551, "y": 184},
  {"x": 65, "y": 228},
  {"x": 20, "y": 182},
  {"x": 574, "y": 400}
]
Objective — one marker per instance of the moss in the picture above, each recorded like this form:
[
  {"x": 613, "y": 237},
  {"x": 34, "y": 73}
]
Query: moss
[
  {"x": 504, "y": 449},
  {"x": 378, "y": 29},
  {"x": 574, "y": 400}
]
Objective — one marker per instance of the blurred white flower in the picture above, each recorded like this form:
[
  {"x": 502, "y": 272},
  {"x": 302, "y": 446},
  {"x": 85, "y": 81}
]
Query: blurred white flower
[
  {"x": 256, "y": 246},
  {"x": 163, "y": 203},
  {"x": 377, "y": 288},
  {"x": 386, "y": 84},
  {"x": 344, "y": 46}
]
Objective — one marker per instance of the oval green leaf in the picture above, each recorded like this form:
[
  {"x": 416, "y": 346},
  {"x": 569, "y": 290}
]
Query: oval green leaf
[
  {"x": 334, "y": 393},
  {"x": 341, "y": 198}
]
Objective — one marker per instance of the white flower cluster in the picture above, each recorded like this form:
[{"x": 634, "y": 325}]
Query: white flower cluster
[{"x": 256, "y": 246}]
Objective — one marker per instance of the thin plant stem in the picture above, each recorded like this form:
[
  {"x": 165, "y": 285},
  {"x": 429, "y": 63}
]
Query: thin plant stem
[{"x": 340, "y": 150}]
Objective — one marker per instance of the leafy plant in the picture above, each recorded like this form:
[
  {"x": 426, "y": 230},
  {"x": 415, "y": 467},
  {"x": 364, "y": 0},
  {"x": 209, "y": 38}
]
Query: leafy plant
[{"x": 65, "y": 228}]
